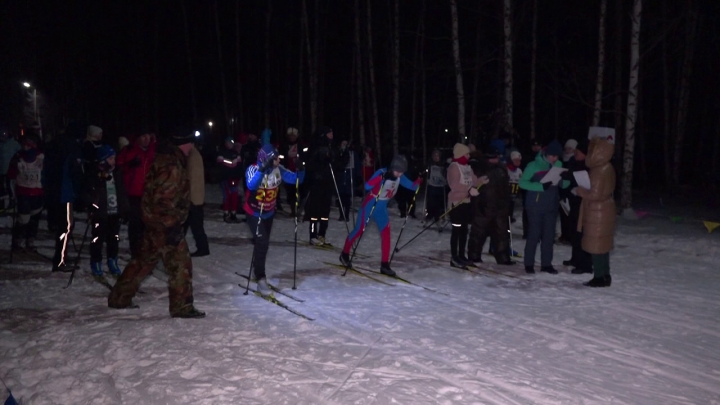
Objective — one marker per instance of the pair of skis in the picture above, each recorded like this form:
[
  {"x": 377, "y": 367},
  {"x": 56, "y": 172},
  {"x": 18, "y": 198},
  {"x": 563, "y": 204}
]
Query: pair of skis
[{"x": 271, "y": 298}]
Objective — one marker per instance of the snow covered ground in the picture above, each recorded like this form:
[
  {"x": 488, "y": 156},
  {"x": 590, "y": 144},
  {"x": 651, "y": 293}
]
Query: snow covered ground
[{"x": 652, "y": 338}]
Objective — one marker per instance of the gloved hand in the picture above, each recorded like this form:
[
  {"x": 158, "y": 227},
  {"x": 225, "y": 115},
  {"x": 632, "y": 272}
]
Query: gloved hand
[
  {"x": 417, "y": 182},
  {"x": 546, "y": 185},
  {"x": 267, "y": 166},
  {"x": 174, "y": 235},
  {"x": 474, "y": 192}
]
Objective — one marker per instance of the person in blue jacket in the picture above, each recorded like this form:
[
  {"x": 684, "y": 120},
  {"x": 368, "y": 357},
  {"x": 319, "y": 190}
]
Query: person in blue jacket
[
  {"x": 263, "y": 185},
  {"x": 381, "y": 187},
  {"x": 541, "y": 203}
]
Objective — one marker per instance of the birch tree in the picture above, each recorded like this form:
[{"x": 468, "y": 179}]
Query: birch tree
[
  {"x": 533, "y": 69},
  {"x": 241, "y": 115},
  {"x": 507, "y": 30},
  {"x": 396, "y": 78},
  {"x": 373, "y": 90},
  {"x": 359, "y": 77},
  {"x": 186, "y": 30},
  {"x": 268, "y": 17},
  {"x": 458, "y": 72},
  {"x": 601, "y": 65},
  {"x": 628, "y": 158},
  {"x": 223, "y": 88}
]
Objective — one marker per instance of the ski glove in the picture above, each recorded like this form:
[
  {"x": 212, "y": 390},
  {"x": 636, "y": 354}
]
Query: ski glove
[
  {"x": 417, "y": 182},
  {"x": 174, "y": 235}
]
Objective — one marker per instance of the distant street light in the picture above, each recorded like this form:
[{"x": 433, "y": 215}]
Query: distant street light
[
  {"x": 446, "y": 130},
  {"x": 35, "y": 108},
  {"x": 197, "y": 133},
  {"x": 210, "y": 124},
  {"x": 26, "y": 84}
]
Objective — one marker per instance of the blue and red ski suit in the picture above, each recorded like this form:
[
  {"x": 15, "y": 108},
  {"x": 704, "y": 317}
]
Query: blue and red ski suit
[{"x": 388, "y": 186}]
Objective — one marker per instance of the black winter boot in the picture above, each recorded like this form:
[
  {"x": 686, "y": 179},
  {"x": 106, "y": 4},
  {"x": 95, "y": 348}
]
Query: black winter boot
[
  {"x": 548, "y": 269},
  {"x": 345, "y": 259},
  {"x": 386, "y": 270},
  {"x": 529, "y": 270},
  {"x": 458, "y": 263},
  {"x": 604, "y": 281}
]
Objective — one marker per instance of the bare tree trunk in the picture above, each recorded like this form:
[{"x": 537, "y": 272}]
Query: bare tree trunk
[
  {"x": 628, "y": 158},
  {"x": 601, "y": 65},
  {"x": 474, "y": 131},
  {"x": 715, "y": 157},
  {"x": 353, "y": 101},
  {"x": 189, "y": 60},
  {"x": 396, "y": 78},
  {"x": 241, "y": 115},
  {"x": 533, "y": 69},
  {"x": 619, "y": 91},
  {"x": 684, "y": 90},
  {"x": 423, "y": 101},
  {"x": 156, "y": 76},
  {"x": 373, "y": 90},
  {"x": 319, "y": 66},
  {"x": 458, "y": 72},
  {"x": 312, "y": 69},
  {"x": 667, "y": 120},
  {"x": 268, "y": 17},
  {"x": 507, "y": 29},
  {"x": 416, "y": 71},
  {"x": 359, "y": 77},
  {"x": 301, "y": 85},
  {"x": 221, "y": 65}
]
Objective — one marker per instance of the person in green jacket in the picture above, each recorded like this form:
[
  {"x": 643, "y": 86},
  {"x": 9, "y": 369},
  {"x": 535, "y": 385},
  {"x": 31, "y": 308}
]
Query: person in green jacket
[{"x": 541, "y": 202}]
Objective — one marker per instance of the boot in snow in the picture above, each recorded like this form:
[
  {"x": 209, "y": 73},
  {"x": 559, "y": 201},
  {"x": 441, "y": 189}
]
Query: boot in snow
[
  {"x": 325, "y": 242},
  {"x": 113, "y": 267},
  {"x": 96, "y": 268},
  {"x": 345, "y": 259},
  {"x": 316, "y": 241},
  {"x": 386, "y": 270},
  {"x": 457, "y": 263},
  {"x": 263, "y": 288},
  {"x": 548, "y": 269},
  {"x": 188, "y": 314},
  {"x": 604, "y": 281},
  {"x": 529, "y": 270},
  {"x": 579, "y": 270}
]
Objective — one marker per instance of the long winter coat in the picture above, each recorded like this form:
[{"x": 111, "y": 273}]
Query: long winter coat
[
  {"x": 597, "y": 212},
  {"x": 493, "y": 198},
  {"x": 135, "y": 162}
]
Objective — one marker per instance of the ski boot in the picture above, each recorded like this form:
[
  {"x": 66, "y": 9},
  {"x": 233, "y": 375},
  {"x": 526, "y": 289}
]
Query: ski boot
[
  {"x": 96, "y": 268},
  {"x": 233, "y": 218},
  {"x": 316, "y": 241},
  {"x": 113, "y": 267},
  {"x": 325, "y": 243},
  {"x": 386, "y": 270},
  {"x": 263, "y": 288},
  {"x": 226, "y": 216},
  {"x": 345, "y": 260}
]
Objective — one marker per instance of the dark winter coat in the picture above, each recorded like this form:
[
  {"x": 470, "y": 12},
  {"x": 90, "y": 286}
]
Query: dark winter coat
[
  {"x": 574, "y": 165},
  {"x": 95, "y": 194},
  {"x": 135, "y": 162},
  {"x": 288, "y": 161},
  {"x": 249, "y": 153},
  {"x": 166, "y": 200},
  {"x": 227, "y": 172},
  {"x": 597, "y": 213},
  {"x": 63, "y": 170},
  {"x": 322, "y": 156},
  {"x": 493, "y": 198}
]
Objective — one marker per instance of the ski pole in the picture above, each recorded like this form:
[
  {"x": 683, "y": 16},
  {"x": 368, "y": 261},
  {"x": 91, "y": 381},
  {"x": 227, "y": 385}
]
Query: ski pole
[
  {"x": 352, "y": 195},
  {"x": 377, "y": 197},
  {"x": 403, "y": 226},
  {"x": 297, "y": 199},
  {"x": 427, "y": 175},
  {"x": 82, "y": 245},
  {"x": 337, "y": 190},
  {"x": 257, "y": 234},
  {"x": 512, "y": 251},
  {"x": 434, "y": 222}
]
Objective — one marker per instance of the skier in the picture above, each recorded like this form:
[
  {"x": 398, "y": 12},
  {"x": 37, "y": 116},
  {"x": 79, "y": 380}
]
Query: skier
[
  {"x": 231, "y": 175},
  {"x": 324, "y": 159},
  {"x": 490, "y": 209},
  {"x": 436, "y": 188},
  {"x": 134, "y": 161},
  {"x": 107, "y": 203},
  {"x": 165, "y": 207},
  {"x": 263, "y": 183},
  {"x": 541, "y": 202},
  {"x": 93, "y": 140},
  {"x": 597, "y": 215},
  {"x": 514, "y": 174},
  {"x": 291, "y": 154},
  {"x": 26, "y": 169},
  {"x": 580, "y": 259},
  {"x": 382, "y": 187}
]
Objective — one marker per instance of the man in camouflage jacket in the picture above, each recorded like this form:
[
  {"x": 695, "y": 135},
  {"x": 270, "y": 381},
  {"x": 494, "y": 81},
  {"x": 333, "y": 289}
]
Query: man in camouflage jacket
[{"x": 165, "y": 206}]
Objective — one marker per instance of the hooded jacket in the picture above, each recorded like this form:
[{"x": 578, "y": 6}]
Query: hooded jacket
[
  {"x": 537, "y": 197},
  {"x": 134, "y": 163},
  {"x": 597, "y": 212}
]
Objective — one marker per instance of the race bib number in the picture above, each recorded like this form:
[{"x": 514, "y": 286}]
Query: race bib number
[
  {"x": 436, "y": 177},
  {"x": 112, "y": 201},
  {"x": 514, "y": 188},
  {"x": 389, "y": 189}
]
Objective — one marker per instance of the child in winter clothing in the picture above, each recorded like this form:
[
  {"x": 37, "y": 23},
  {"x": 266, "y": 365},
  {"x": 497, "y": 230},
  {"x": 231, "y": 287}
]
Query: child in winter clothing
[
  {"x": 263, "y": 186},
  {"x": 382, "y": 187},
  {"x": 435, "y": 188},
  {"x": 231, "y": 175},
  {"x": 541, "y": 202},
  {"x": 26, "y": 170},
  {"x": 514, "y": 174},
  {"x": 107, "y": 201}
]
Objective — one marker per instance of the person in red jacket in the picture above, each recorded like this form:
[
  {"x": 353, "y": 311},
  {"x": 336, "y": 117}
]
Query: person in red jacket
[
  {"x": 26, "y": 171},
  {"x": 134, "y": 162}
]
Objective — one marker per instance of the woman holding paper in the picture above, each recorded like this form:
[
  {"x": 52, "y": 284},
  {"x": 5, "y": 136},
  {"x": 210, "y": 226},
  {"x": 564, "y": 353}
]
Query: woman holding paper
[
  {"x": 542, "y": 181},
  {"x": 597, "y": 212}
]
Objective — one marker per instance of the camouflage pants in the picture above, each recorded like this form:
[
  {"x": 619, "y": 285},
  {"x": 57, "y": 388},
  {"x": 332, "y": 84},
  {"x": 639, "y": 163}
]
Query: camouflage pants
[{"x": 177, "y": 262}]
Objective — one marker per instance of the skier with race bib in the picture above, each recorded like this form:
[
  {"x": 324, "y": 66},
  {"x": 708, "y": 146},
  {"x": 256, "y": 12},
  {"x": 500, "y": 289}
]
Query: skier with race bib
[
  {"x": 263, "y": 185},
  {"x": 382, "y": 187}
]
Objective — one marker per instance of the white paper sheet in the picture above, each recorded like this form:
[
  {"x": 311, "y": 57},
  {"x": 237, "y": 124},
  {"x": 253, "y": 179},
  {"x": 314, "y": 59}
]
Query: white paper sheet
[
  {"x": 553, "y": 175},
  {"x": 583, "y": 179}
]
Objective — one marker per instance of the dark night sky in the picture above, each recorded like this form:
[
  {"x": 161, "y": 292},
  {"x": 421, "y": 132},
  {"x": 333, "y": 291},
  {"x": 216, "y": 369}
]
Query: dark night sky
[{"x": 112, "y": 62}]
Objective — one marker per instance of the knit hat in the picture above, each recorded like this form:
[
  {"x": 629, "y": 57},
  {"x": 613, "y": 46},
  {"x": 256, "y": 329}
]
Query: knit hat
[
  {"x": 399, "y": 164},
  {"x": 571, "y": 143},
  {"x": 103, "y": 152},
  {"x": 553, "y": 149},
  {"x": 182, "y": 136},
  {"x": 515, "y": 155},
  {"x": 292, "y": 131},
  {"x": 460, "y": 150},
  {"x": 267, "y": 151},
  {"x": 93, "y": 133},
  {"x": 123, "y": 142},
  {"x": 492, "y": 152}
]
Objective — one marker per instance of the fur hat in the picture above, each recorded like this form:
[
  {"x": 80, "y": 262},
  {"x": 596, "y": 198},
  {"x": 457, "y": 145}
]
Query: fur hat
[
  {"x": 460, "y": 150},
  {"x": 94, "y": 133},
  {"x": 399, "y": 164},
  {"x": 553, "y": 149}
]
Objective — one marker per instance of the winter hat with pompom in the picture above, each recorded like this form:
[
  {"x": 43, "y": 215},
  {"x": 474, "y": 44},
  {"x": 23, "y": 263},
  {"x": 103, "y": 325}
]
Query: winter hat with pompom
[{"x": 460, "y": 150}]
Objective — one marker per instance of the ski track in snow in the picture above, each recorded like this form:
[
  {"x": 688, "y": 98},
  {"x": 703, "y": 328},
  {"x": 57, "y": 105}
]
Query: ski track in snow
[{"x": 652, "y": 338}]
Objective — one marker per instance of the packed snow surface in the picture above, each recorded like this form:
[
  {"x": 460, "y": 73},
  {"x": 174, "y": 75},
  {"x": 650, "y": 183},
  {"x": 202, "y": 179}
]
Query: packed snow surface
[{"x": 510, "y": 338}]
